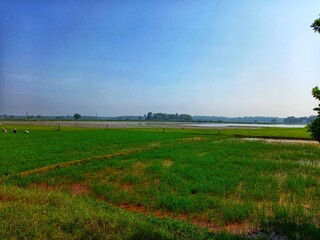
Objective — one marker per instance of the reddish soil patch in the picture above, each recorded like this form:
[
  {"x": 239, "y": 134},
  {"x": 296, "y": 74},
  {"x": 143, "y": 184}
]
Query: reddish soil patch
[
  {"x": 102, "y": 198},
  {"x": 75, "y": 189},
  {"x": 236, "y": 228},
  {"x": 78, "y": 189},
  {"x": 183, "y": 216},
  {"x": 239, "y": 228},
  {"x": 133, "y": 208},
  {"x": 44, "y": 186},
  {"x": 7, "y": 198},
  {"x": 159, "y": 214},
  {"x": 128, "y": 187},
  {"x": 203, "y": 223}
]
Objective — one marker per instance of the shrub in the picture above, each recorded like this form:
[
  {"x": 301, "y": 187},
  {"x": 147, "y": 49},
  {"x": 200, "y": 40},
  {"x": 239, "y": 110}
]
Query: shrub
[{"x": 314, "y": 128}]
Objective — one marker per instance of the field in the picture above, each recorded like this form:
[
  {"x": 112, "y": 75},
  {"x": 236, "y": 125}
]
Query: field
[{"x": 82, "y": 183}]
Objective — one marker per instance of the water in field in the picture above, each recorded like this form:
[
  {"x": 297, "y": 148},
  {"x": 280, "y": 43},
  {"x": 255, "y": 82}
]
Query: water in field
[
  {"x": 128, "y": 124},
  {"x": 217, "y": 125},
  {"x": 131, "y": 124}
]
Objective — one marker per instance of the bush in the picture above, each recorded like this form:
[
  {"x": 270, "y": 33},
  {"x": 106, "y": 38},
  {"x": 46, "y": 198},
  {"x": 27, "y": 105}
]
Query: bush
[{"x": 314, "y": 128}]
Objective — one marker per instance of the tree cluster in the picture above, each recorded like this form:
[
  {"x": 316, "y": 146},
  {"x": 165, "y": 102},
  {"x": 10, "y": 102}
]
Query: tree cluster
[
  {"x": 168, "y": 117},
  {"x": 292, "y": 119},
  {"x": 314, "y": 127}
]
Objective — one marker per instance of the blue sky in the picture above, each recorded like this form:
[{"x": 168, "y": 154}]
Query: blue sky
[{"x": 224, "y": 58}]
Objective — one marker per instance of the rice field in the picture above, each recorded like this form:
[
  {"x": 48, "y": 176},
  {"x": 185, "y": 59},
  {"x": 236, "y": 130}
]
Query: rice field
[{"x": 158, "y": 183}]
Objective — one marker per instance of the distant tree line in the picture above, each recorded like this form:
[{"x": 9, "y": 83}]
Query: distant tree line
[
  {"x": 220, "y": 119},
  {"x": 257, "y": 119},
  {"x": 168, "y": 117},
  {"x": 299, "y": 120}
]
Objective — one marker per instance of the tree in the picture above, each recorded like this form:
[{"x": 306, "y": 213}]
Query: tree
[
  {"x": 77, "y": 116},
  {"x": 149, "y": 116},
  {"x": 314, "y": 126},
  {"x": 316, "y": 25}
]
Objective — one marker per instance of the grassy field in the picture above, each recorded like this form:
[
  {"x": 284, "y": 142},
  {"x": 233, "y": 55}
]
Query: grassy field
[{"x": 150, "y": 184}]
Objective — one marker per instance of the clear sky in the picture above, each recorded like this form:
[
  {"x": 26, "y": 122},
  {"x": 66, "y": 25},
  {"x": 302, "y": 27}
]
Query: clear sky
[{"x": 224, "y": 58}]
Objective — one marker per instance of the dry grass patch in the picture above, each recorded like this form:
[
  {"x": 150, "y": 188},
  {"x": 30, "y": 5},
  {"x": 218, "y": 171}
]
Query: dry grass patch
[
  {"x": 194, "y": 139},
  {"x": 167, "y": 163},
  {"x": 139, "y": 167}
]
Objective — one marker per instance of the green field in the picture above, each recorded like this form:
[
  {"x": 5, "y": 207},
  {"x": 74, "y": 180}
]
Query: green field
[{"x": 150, "y": 184}]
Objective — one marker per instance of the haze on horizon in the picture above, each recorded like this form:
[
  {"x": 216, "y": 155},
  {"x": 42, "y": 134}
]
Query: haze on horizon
[{"x": 223, "y": 58}]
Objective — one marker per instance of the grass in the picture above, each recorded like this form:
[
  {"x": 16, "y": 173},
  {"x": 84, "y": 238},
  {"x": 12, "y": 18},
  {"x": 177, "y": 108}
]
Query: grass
[
  {"x": 192, "y": 177},
  {"x": 36, "y": 214}
]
